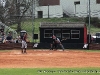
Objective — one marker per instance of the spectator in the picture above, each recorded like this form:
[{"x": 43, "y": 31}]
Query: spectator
[
  {"x": 3, "y": 38},
  {"x": 9, "y": 38}
]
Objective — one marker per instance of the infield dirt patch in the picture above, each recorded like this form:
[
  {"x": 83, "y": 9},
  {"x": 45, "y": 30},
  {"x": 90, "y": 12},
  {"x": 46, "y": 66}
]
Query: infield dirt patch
[{"x": 49, "y": 59}]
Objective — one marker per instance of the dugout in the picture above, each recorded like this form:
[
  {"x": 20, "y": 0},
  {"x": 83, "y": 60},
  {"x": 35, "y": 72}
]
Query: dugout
[{"x": 74, "y": 32}]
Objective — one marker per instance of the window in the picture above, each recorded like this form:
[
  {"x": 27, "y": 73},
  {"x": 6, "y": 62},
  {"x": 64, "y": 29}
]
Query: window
[
  {"x": 98, "y": 1},
  {"x": 50, "y": 2},
  {"x": 65, "y": 34},
  {"x": 77, "y": 2},
  {"x": 48, "y": 33},
  {"x": 75, "y": 34},
  {"x": 40, "y": 14},
  {"x": 57, "y": 32}
]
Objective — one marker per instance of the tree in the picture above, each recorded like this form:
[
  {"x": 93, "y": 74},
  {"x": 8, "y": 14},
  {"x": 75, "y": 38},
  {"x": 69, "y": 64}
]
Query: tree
[{"x": 14, "y": 11}]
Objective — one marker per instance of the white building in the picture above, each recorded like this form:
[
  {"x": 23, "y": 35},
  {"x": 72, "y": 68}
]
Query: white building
[
  {"x": 49, "y": 11},
  {"x": 46, "y": 9},
  {"x": 80, "y": 8}
]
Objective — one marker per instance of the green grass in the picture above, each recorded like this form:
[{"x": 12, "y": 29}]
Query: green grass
[
  {"x": 92, "y": 50},
  {"x": 28, "y": 24},
  {"x": 32, "y": 26},
  {"x": 5, "y": 50},
  {"x": 67, "y": 50},
  {"x": 50, "y": 71},
  {"x": 93, "y": 29}
]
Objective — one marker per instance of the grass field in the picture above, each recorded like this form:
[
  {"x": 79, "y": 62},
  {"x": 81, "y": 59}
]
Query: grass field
[{"x": 50, "y": 71}]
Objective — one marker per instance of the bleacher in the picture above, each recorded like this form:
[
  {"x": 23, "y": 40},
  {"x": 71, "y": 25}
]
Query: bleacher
[
  {"x": 94, "y": 46},
  {"x": 10, "y": 46}
]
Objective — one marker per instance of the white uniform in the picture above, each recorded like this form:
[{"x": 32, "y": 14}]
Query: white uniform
[{"x": 24, "y": 44}]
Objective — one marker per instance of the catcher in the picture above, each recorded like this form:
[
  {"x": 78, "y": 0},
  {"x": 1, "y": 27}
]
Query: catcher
[
  {"x": 53, "y": 43},
  {"x": 56, "y": 42}
]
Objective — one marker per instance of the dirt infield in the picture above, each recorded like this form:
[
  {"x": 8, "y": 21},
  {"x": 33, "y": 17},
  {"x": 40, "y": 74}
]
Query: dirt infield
[{"x": 49, "y": 59}]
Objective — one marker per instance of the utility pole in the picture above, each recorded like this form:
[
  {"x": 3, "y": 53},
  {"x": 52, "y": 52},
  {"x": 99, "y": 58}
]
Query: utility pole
[
  {"x": 75, "y": 9},
  {"x": 89, "y": 23},
  {"x": 33, "y": 16},
  {"x": 48, "y": 10}
]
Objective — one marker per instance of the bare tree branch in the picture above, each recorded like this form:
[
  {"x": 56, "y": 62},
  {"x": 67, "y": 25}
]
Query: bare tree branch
[{"x": 14, "y": 11}]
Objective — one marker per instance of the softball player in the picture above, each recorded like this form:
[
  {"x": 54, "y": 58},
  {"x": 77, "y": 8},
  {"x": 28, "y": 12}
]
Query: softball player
[
  {"x": 56, "y": 42},
  {"x": 59, "y": 43},
  {"x": 24, "y": 43},
  {"x": 53, "y": 43}
]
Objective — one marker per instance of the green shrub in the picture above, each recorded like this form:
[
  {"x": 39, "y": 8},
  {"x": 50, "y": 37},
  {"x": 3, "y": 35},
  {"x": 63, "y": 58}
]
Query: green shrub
[{"x": 93, "y": 20}]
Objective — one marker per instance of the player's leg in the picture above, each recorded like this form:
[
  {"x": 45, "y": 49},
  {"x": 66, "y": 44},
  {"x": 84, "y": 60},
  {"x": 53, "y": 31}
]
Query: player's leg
[
  {"x": 51, "y": 46},
  {"x": 22, "y": 47},
  {"x": 22, "y": 51},
  {"x": 25, "y": 44},
  {"x": 62, "y": 46},
  {"x": 25, "y": 50},
  {"x": 56, "y": 46}
]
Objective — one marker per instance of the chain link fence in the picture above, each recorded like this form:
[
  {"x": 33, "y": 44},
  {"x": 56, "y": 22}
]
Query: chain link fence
[{"x": 28, "y": 26}]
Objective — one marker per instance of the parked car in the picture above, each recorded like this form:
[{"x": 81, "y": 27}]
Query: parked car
[
  {"x": 96, "y": 38},
  {"x": 93, "y": 38}
]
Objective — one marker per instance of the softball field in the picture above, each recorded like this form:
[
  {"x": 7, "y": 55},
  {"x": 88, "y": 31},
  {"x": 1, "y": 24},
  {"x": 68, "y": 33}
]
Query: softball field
[{"x": 40, "y": 58}]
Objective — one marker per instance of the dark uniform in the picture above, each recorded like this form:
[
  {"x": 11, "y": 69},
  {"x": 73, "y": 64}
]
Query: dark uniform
[
  {"x": 58, "y": 42},
  {"x": 55, "y": 43}
]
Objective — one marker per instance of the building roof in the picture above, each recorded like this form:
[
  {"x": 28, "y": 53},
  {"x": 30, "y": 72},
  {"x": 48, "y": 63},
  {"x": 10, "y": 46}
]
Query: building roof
[{"x": 62, "y": 25}]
